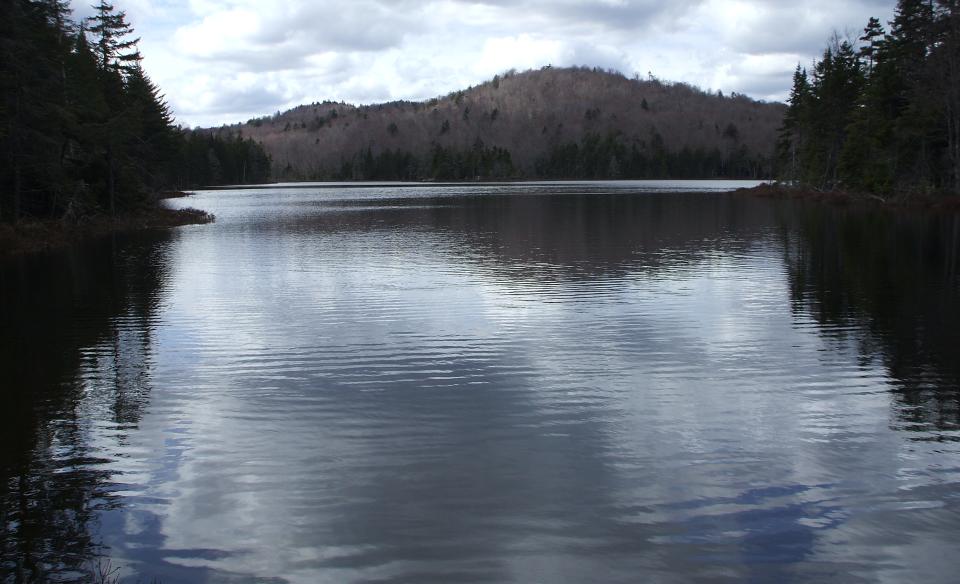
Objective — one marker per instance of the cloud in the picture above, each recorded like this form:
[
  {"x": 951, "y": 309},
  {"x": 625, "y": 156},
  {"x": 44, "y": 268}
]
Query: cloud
[
  {"x": 262, "y": 36},
  {"x": 235, "y": 98},
  {"x": 626, "y": 15},
  {"x": 770, "y": 26},
  {"x": 522, "y": 52},
  {"x": 220, "y": 61}
]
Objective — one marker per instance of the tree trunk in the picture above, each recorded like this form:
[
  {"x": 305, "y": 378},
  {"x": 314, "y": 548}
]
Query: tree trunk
[
  {"x": 950, "y": 77},
  {"x": 111, "y": 187},
  {"x": 953, "y": 143},
  {"x": 952, "y": 113},
  {"x": 17, "y": 188},
  {"x": 16, "y": 148}
]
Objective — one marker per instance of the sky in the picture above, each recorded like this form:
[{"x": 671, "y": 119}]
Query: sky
[{"x": 225, "y": 61}]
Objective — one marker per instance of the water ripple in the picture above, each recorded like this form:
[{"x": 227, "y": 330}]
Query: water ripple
[{"x": 453, "y": 384}]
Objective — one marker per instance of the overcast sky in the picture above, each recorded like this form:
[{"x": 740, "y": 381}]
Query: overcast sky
[{"x": 222, "y": 61}]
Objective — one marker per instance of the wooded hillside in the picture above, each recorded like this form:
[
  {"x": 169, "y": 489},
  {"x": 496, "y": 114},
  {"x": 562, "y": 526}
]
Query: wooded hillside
[{"x": 549, "y": 123}]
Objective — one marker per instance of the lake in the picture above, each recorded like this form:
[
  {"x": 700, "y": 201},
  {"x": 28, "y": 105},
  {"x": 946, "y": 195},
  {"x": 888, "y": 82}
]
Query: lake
[{"x": 546, "y": 382}]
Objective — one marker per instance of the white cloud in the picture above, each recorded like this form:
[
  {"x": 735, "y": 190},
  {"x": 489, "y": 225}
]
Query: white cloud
[
  {"x": 522, "y": 52},
  {"x": 222, "y": 61}
]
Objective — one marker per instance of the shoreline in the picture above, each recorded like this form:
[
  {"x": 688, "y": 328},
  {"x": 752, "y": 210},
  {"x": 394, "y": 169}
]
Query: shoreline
[
  {"x": 39, "y": 235},
  {"x": 947, "y": 203},
  {"x": 359, "y": 184}
]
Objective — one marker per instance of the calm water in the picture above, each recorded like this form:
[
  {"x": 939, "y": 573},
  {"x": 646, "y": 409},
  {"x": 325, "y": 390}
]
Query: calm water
[{"x": 578, "y": 382}]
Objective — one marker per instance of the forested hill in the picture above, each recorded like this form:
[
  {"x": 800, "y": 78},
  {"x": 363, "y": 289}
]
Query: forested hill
[{"x": 548, "y": 123}]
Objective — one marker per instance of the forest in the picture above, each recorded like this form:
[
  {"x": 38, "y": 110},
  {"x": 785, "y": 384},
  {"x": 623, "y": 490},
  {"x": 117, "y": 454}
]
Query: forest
[
  {"x": 881, "y": 113},
  {"x": 553, "y": 122},
  {"x": 594, "y": 157},
  {"x": 83, "y": 129}
]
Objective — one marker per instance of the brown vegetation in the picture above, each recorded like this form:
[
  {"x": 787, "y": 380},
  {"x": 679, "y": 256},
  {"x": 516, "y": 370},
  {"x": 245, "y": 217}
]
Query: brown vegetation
[
  {"x": 527, "y": 114},
  {"x": 843, "y": 197},
  {"x": 173, "y": 195},
  {"x": 40, "y": 235}
]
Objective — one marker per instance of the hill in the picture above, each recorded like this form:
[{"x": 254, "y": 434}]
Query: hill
[{"x": 547, "y": 123}]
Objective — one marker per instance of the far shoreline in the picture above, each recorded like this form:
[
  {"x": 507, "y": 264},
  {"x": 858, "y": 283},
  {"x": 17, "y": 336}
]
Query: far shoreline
[
  {"x": 305, "y": 184},
  {"x": 31, "y": 236}
]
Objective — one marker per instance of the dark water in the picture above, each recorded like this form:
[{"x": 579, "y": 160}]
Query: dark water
[{"x": 554, "y": 383}]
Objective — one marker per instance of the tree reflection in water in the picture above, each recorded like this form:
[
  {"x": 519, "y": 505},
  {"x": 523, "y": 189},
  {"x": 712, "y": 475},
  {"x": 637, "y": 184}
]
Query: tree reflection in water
[
  {"x": 891, "y": 278},
  {"x": 577, "y": 449},
  {"x": 75, "y": 354}
]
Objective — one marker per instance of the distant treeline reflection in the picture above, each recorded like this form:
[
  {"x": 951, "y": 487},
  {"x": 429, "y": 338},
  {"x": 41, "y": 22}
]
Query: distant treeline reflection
[
  {"x": 77, "y": 340},
  {"x": 885, "y": 280}
]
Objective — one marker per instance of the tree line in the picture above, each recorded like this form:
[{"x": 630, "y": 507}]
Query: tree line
[
  {"x": 84, "y": 130},
  {"x": 882, "y": 113},
  {"x": 442, "y": 163},
  {"x": 550, "y": 123},
  {"x": 596, "y": 156},
  {"x": 614, "y": 157}
]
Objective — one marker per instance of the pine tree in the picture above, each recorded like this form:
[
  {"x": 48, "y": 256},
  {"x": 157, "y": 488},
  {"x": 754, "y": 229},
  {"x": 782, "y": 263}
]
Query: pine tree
[
  {"x": 90, "y": 112},
  {"x": 837, "y": 82},
  {"x": 114, "y": 48},
  {"x": 793, "y": 134},
  {"x": 866, "y": 159},
  {"x": 83, "y": 127},
  {"x": 945, "y": 61},
  {"x": 153, "y": 145},
  {"x": 872, "y": 40},
  {"x": 117, "y": 57},
  {"x": 893, "y": 106},
  {"x": 916, "y": 115},
  {"x": 33, "y": 108}
]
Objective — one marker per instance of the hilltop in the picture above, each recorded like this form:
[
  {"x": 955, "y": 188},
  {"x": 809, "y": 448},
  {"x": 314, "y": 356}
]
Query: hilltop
[{"x": 547, "y": 123}]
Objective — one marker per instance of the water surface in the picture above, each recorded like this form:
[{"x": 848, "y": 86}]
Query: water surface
[{"x": 554, "y": 382}]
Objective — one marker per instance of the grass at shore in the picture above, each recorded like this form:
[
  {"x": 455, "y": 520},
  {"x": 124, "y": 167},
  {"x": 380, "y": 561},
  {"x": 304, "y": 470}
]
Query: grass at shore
[
  {"x": 35, "y": 235},
  {"x": 947, "y": 203}
]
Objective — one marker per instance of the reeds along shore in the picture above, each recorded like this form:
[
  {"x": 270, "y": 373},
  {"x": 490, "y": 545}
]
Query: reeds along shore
[
  {"x": 949, "y": 203},
  {"x": 38, "y": 235}
]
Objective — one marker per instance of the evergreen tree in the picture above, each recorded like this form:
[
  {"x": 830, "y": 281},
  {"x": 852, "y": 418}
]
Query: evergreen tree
[
  {"x": 83, "y": 127},
  {"x": 792, "y": 135},
  {"x": 153, "y": 146},
  {"x": 114, "y": 47},
  {"x": 33, "y": 108},
  {"x": 837, "y": 83},
  {"x": 892, "y": 107},
  {"x": 945, "y": 61},
  {"x": 869, "y": 158},
  {"x": 88, "y": 104},
  {"x": 118, "y": 58},
  {"x": 915, "y": 107},
  {"x": 872, "y": 40}
]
